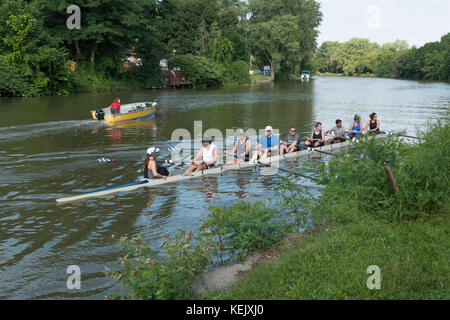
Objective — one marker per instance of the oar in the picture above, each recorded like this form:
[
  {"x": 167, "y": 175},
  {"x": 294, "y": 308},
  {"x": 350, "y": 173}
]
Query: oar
[
  {"x": 320, "y": 151},
  {"x": 288, "y": 171},
  {"x": 399, "y": 134},
  {"x": 107, "y": 160}
]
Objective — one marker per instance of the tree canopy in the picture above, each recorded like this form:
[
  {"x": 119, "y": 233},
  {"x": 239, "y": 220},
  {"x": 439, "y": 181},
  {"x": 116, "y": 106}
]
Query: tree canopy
[{"x": 392, "y": 60}]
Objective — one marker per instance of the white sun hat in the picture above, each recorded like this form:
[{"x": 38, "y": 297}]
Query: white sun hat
[
  {"x": 152, "y": 151},
  {"x": 269, "y": 128}
]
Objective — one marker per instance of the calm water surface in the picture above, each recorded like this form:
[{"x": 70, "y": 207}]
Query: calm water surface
[{"x": 49, "y": 149}]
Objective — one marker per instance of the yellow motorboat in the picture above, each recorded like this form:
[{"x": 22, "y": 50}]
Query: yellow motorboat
[{"x": 132, "y": 111}]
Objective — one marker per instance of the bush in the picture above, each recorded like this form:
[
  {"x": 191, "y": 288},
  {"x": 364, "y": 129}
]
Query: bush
[
  {"x": 242, "y": 229},
  {"x": 146, "y": 274},
  {"x": 424, "y": 174},
  {"x": 240, "y": 72},
  {"x": 356, "y": 183},
  {"x": 201, "y": 71},
  {"x": 12, "y": 81}
]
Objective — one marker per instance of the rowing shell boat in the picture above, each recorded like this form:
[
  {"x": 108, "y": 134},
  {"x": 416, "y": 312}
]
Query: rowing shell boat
[{"x": 273, "y": 161}]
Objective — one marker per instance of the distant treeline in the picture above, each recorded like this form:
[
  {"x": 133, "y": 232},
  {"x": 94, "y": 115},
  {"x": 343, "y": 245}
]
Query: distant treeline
[
  {"x": 391, "y": 60},
  {"x": 211, "y": 40}
]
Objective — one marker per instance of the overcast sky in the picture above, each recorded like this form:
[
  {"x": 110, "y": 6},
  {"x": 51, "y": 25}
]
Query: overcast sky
[{"x": 416, "y": 21}]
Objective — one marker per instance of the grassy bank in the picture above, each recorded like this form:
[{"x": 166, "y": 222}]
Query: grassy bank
[
  {"x": 329, "y": 74},
  {"x": 331, "y": 263},
  {"x": 259, "y": 78}
]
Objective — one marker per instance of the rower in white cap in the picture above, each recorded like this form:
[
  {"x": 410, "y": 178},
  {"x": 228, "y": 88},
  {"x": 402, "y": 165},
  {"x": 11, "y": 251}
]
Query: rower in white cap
[
  {"x": 208, "y": 154},
  {"x": 151, "y": 170},
  {"x": 268, "y": 144}
]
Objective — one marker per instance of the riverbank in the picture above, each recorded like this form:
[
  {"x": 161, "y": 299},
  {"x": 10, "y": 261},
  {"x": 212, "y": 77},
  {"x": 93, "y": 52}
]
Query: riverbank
[
  {"x": 405, "y": 236},
  {"x": 331, "y": 263}
]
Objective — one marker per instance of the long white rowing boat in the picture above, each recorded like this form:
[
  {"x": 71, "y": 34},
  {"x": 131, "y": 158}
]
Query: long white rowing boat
[{"x": 273, "y": 161}]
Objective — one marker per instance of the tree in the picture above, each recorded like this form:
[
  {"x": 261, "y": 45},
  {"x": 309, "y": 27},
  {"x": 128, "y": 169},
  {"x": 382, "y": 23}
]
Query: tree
[
  {"x": 284, "y": 32},
  {"x": 223, "y": 51},
  {"x": 108, "y": 27},
  {"x": 275, "y": 40},
  {"x": 434, "y": 66},
  {"x": 27, "y": 47},
  {"x": 371, "y": 60}
]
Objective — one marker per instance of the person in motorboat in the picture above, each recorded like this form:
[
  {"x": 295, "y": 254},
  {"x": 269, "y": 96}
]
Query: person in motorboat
[
  {"x": 151, "y": 170},
  {"x": 206, "y": 158},
  {"x": 115, "y": 106}
]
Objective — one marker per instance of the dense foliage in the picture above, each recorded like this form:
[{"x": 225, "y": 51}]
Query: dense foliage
[
  {"x": 212, "y": 39},
  {"x": 147, "y": 275},
  {"x": 356, "y": 183},
  {"x": 392, "y": 60}
]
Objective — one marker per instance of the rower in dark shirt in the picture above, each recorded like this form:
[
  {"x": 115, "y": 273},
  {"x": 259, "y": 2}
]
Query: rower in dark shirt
[{"x": 317, "y": 137}]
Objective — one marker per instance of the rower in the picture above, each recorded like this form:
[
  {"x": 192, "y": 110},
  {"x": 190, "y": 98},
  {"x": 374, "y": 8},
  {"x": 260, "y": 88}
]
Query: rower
[
  {"x": 339, "y": 133},
  {"x": 317, "y": 137},
  {"x": 356, "y": 128},
  {"x": 151, "y": 170},
  {"x": 241, "y": 149},
  {"x": 373, "y": 124},
  {"x": 115, "y": 106},
  {"x": 291, "y": 143},
  {"x": 208, "y": 154},
  {"x": 268, "y": 144}
]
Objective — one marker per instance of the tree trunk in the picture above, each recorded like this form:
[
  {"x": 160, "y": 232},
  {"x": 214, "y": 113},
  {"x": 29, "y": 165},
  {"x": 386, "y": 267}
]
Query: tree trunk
[
  {"x": 77, "y": 47},
  {"x": 92, "y": 56},
  {"x": 272, "y": 71}
]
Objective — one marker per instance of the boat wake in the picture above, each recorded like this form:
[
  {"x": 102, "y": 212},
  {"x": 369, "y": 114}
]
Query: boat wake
[{"x": 14, "y": 133}]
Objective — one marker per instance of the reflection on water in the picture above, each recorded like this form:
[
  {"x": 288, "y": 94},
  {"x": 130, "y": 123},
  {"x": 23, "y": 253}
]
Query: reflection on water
[{"x": 49, "y": 148}]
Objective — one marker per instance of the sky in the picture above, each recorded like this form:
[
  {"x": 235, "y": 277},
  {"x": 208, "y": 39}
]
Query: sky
[{"x": 382, "y": 21}]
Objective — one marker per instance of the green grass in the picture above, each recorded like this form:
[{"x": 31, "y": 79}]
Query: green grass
[
  {"x": 259, "y": 78},
  {"x": 331, "y": 263}
]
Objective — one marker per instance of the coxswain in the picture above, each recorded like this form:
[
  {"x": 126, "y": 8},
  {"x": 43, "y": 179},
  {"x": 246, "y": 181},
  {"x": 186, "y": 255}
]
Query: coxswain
[{"x": 151, "y": 170}]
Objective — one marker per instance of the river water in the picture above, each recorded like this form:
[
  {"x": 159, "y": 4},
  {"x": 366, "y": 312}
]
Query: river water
[{"x": 49, "y": 148}]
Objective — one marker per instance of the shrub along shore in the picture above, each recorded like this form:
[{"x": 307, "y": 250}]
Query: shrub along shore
[{"x": 359, "y": 222}]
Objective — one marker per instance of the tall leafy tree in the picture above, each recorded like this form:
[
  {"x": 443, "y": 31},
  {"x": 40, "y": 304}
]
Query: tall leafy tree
[
  {"x": 26, "y": 46},
  {"x": 284, "y": 32}
]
